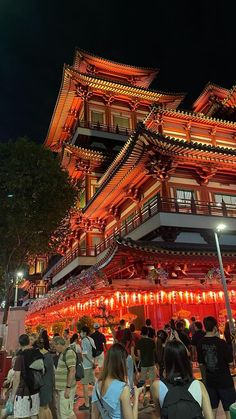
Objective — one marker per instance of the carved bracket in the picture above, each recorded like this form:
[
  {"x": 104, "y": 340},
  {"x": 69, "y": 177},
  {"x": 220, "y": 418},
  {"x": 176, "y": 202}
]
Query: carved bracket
[
  {"x": 169, "y": 234},
  {"x": 114, "y": 212},
  {"x": 90, "y": 224},
  {"x": 83, "y": 166},
  {"x": 159, "y": 166},
  {"x": 132, "y": 193},
  {"x": 83, "y": 91},
  {"x": 205, "y": 173}
]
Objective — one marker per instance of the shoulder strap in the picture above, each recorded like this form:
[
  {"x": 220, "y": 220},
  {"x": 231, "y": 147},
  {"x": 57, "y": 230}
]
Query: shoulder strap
[{"x": 106, "y": 413}]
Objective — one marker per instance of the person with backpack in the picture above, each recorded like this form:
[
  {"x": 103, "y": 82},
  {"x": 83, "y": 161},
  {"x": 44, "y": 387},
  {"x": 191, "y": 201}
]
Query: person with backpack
[
  {"x": 215, "y": 356},
  {"x": 100, "y": 343},
  {"x": 26, "y": 380},
  {"x": 89, "y": 354},
  {"x": 46, "y": 391},
  {"x": 65, "y": 382},
  {"x": 179, "y": 395},
  {"x": 111, "y": 394}
]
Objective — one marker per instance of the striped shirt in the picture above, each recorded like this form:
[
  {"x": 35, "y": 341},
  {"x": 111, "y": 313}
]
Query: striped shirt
[{"x": 62, "y": 371}]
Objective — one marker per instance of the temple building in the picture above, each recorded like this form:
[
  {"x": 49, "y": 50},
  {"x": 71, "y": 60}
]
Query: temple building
[{"x": 153, "y": 183}]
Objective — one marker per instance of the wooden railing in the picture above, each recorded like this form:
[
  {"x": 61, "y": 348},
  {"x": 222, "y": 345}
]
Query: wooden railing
[
  {"x": 159, "y": 204},
  {"x": 170, "y": 205},
  {"x": 72, "y": 255}
]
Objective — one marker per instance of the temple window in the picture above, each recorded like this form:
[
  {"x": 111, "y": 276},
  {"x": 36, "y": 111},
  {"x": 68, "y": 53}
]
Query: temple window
[
  {"x": 121, "y": 121},
  {"x": 40, "y": 266},
  {"x": 228, "y": 199},
  {"x": 184, "y": 196},
  {"x": 97, "y": 117}
]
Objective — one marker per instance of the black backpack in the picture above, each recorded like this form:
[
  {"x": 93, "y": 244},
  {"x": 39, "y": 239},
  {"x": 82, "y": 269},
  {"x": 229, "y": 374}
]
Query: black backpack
[
  {"x": 33, "y": 370},
  {"x": 79, "y": 369},
  {"x": 179, "y": 403}
]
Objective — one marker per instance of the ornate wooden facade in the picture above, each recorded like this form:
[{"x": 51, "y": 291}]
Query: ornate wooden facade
[{"x": 153, "y": 182}]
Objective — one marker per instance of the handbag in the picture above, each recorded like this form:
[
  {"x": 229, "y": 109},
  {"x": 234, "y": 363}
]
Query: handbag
[{"x": 104, "y": 410}]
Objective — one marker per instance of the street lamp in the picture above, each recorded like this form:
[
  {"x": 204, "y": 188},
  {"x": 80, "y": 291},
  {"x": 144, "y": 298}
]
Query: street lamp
[
  {"x": 19, "y": 276},
  {"x": 220, "y": 228}
]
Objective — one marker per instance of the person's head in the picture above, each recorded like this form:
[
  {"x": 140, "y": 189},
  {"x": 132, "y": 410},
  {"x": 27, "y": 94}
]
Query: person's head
[
  {"x": 85, "y": 331},
  {"x": 162, "y": 335},
  {"x": 32, "y": 338},
  {"x": 227, "y": 328},
  {"x": 66, "y": 334},
  {"x": 96, "y": 326},
  {"x": 167, "y": 327},
  {"x": 127, "y": 336},
  {"x": 193, "y": 319},
  {"x": 115, "y": 364},
  {"x": 74, "y": 338},
  {"x": 179, "y": 326},
  {"x": 210, "y": 324},
  {"x": 55, "y": 335},
  {"x": 144, "y": 331},
  {"x": 40, "y": 343},
  {"x": 177, "y": 363},
  {"x": 148, "y": 322},
  {"x": 122, "y": 323},
  {"x": 132, "y": 328},
  {"x": 59, "y": 344},
  {"x": 198, "y": 326},
  {"x": 24, "y": 340},
  {"x": 44, "y": 334}
]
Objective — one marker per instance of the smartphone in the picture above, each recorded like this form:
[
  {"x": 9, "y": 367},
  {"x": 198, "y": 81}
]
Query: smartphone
[{"x": 141, "y": 383}]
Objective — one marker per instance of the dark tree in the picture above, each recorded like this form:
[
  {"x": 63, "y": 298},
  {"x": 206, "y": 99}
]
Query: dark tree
[{"x": 35, "y": 195}]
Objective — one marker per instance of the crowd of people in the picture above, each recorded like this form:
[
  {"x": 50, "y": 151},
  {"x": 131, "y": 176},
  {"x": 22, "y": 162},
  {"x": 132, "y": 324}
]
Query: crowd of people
[{"x": 151, "y": 368}]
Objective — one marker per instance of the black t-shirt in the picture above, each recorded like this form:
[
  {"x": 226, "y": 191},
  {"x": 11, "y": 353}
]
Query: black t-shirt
[
  {"x": 99, "y": 340},
  {"x": 147, "y": 351},
  {"x": 151, "y": 332},
  {"x": 184, "y": 338},
  {"x": 216, "y": 355},
  {"x": 197, "y": 336}
]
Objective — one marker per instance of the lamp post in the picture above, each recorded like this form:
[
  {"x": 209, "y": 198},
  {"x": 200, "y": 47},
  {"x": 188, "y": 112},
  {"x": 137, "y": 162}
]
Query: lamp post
[
  {"x": 219, "y": 228},
  {"x": 19, "y": 276}
]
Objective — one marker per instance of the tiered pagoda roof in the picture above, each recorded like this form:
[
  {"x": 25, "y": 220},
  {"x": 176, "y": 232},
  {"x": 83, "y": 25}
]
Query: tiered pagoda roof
[
  {"x": 131, "y": 163},
  {"x": 91, "y": 75},
  {"x": 217, "y": 101}
]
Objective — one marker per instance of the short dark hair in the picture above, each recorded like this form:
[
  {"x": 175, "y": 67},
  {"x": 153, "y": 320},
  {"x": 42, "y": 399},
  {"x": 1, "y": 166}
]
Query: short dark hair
[
  {"x": 122, "y": 322},
  {"x": 67, "y": 331},
  {"x": 148, "y": 322},
  {"x": 132, "y": 327},
  {"x": 24, "y": 340},
  {"x": 74, "y": 337},
  {"x": 193, "y": 319},
  {"x": 85, "y": 329},
  {"x": 198, "y": 325},
  {"x": 209, "y": 323},
  {"x": 144, "y": 331},
  {"x": 177, "y": 363},
  {"x": 179, "y": 325}
]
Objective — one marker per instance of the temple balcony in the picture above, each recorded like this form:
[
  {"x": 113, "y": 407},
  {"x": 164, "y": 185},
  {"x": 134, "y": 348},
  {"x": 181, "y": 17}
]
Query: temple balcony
[
  {"x": 99, "y": 130},
  {"x": 75, "y": 257},
  {"x": 161, "y": 212},
  {"x": 170, "y": 212}
]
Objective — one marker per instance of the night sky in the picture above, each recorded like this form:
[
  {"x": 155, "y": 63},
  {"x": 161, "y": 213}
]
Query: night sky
[{"x": 191, "y": 42}]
